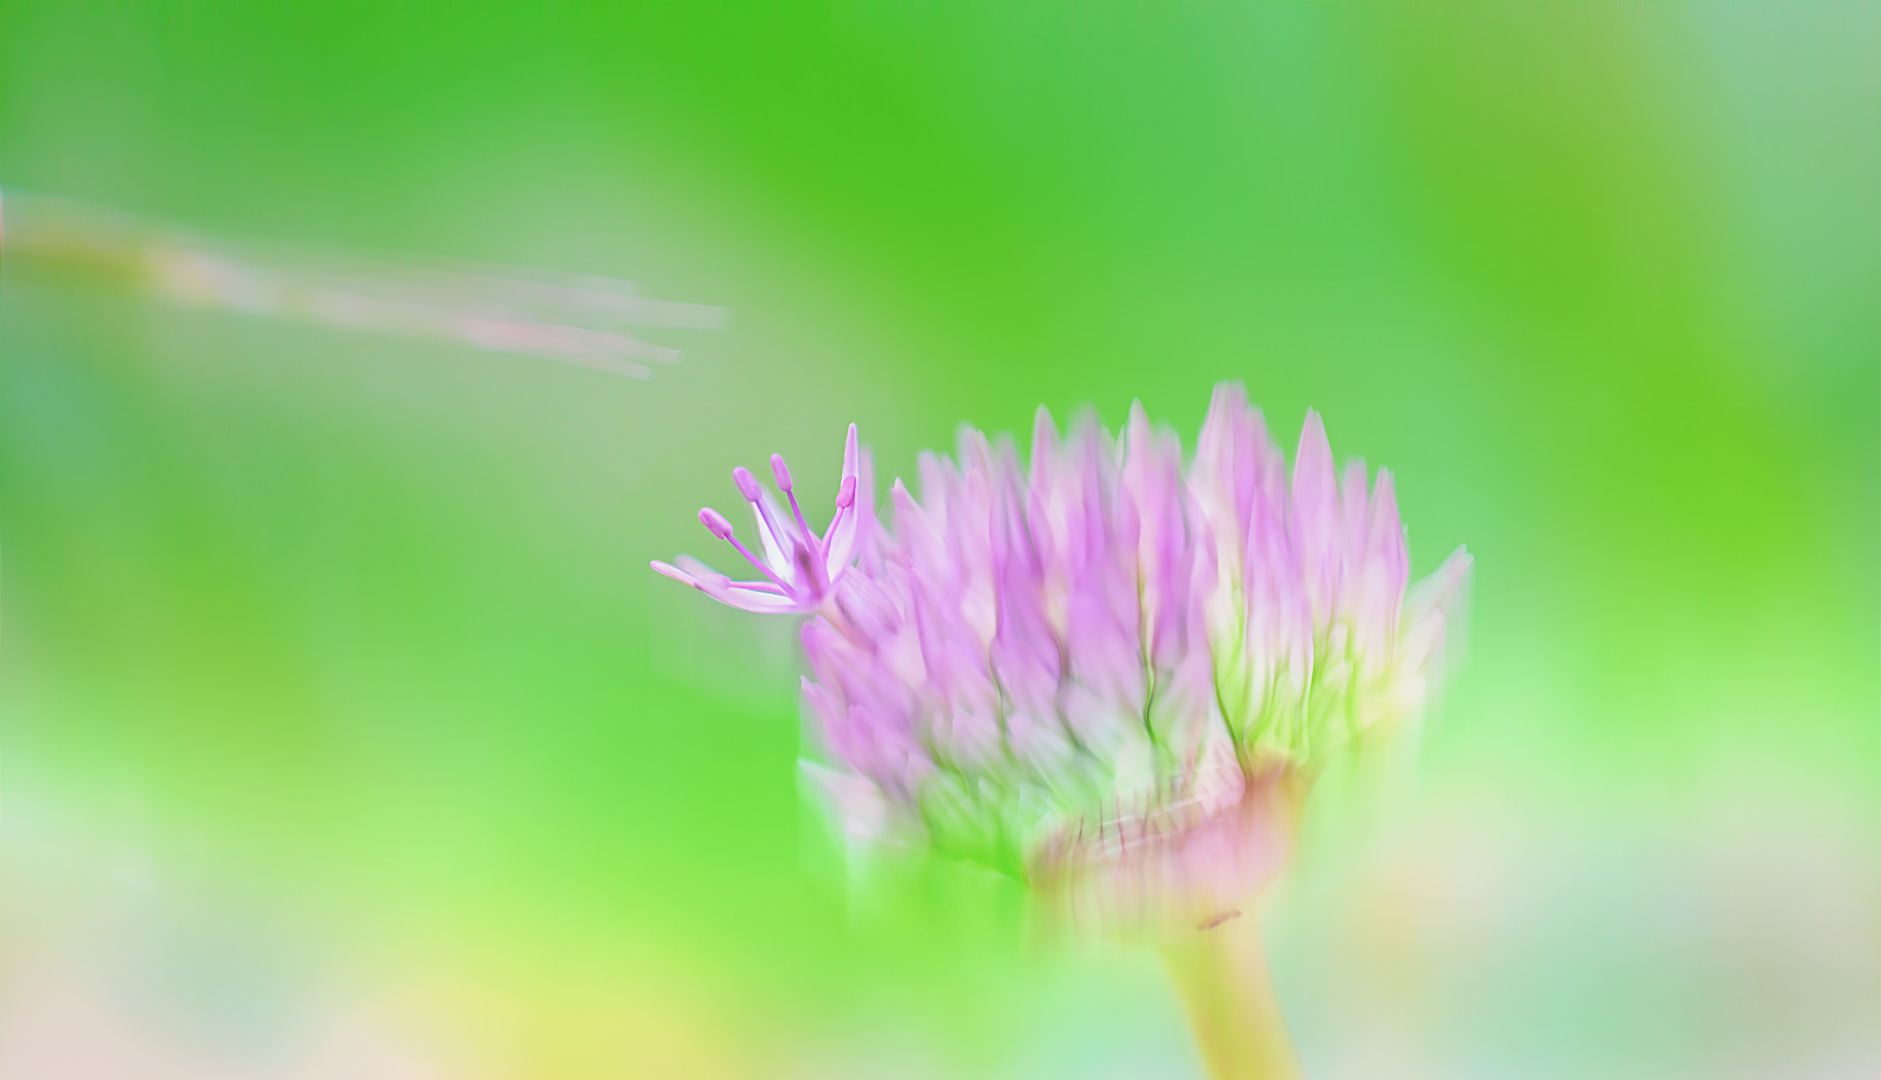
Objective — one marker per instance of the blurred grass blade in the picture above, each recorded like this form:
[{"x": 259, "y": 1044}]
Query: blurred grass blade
[{"x": 580, "y": 319}]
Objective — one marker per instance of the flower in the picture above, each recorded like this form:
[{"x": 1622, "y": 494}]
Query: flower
[
  {"x": 1105, "y": 673},
  {"x": 798, "y": 578}
]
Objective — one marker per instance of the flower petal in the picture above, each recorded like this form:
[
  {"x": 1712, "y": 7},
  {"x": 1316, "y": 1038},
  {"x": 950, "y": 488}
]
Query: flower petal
[
  {"x": 748, "y": 598},
  {"x": 852, "y": 454},
  {"x": 675, "y": 573},
  {"x": 1316, "y": 516},
  {"x": 767, "y": 512},
  {"x": 858, "y": 803}
]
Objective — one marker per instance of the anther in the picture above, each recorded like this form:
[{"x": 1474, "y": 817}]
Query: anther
[
  {"x": 716, "y": 523},
  {"x": 847, "y": 495},
  {"x": 781, "y": 471},
  {"x": 747, "y": 484}
]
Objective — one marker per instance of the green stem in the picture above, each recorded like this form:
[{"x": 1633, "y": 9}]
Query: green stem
[{"x": 1221, "y": 977}]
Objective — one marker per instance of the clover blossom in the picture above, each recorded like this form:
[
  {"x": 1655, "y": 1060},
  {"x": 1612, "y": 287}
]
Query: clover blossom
[{"x": 1097, "y": 670}]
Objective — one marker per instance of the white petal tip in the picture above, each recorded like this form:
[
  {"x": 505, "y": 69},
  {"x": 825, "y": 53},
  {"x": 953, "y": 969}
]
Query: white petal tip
[{"x": 673, "y": 572}]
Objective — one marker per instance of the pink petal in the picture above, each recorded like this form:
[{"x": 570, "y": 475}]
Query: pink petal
[{"x": 1316, "y": 515}]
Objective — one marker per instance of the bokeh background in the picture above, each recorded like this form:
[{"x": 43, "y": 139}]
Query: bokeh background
[{"x": 345, "y": 732}]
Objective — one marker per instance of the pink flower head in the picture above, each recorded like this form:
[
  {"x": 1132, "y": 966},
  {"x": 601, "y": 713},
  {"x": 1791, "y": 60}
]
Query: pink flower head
[
  {"x": 800, "y": 570},
  {"x": 1107, "y": 672}
]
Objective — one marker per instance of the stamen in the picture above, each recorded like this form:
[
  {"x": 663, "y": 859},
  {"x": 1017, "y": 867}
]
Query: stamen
[
  {"x": 715, "y": 522},
  {"x": 748, "y": 487},
  {"x": 747, "y": 484},
  {"x": 845, "y": 504},
  {"x": 829, "y": 534},
  {"x": 719, "y": 527},
  {"x": 809, "y": 540}
]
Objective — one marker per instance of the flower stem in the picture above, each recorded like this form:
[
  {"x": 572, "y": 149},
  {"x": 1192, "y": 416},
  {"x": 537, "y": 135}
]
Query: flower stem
[{"x": 1221, "y": 977}]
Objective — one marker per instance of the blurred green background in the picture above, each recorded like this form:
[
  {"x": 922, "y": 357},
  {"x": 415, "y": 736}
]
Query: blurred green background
[{"x": 340, "y": 714}]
